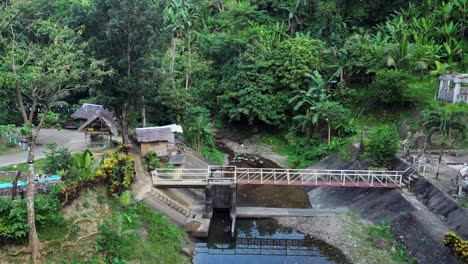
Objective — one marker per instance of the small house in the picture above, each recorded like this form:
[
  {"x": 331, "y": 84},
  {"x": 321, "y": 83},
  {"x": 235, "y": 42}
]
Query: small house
[
  {"x": 160, "y": 140},
  {"x": 453, "y": 88},
  {"x": 99, "y": 130}
]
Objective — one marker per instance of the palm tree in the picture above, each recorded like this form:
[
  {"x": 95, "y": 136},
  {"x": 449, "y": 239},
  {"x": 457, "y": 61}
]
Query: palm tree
[{"x": 444, "y": 121}]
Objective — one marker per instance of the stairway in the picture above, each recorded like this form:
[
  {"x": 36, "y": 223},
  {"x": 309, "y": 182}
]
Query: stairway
[
  {"x": 408, "y": 177},
  {"x": 171, "y": 203}
]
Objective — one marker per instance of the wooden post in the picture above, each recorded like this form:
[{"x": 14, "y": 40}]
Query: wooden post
[{"x": 15, "y": 185}]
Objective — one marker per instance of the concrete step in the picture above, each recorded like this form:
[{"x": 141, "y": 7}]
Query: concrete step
[{"x": 172, "y": 204}]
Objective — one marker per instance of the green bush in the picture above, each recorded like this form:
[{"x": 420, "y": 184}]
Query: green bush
[
  {"x": 198, "y": 131},
  {"x": 152, "y": 160},
  {"x": 57, "y": 158},
  {"x": 51, "y": 120},
  {"x": 13, "y": 215},
  {"x": 382, "y": 145},
  {"x": 296, "y": 57},
  {"x": 10, "y": 144},
  {"x": 388, "y": 88},
  {"x": 213, "y": 154}
]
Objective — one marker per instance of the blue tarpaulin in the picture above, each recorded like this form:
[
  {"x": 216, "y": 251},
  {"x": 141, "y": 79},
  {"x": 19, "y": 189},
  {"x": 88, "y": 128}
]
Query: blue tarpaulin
[{"x": 23, "y": 183}]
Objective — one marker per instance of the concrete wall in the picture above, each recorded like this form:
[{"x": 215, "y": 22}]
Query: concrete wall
[
  {"x": 455, "y": 216},
  {"x": 419, "y": 220}
]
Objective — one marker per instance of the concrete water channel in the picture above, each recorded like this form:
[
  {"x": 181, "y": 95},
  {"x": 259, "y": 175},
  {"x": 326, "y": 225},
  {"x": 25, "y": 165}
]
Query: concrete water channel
[
  {"x": 262, "y": 240},
  {"x": 419, "y": 216}
]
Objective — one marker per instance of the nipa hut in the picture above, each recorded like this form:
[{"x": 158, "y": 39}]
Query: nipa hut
[
  {"x": 87, "y": 111},
  {"x": 99, "y": 130},
  {"x": 160, "y": 140}
]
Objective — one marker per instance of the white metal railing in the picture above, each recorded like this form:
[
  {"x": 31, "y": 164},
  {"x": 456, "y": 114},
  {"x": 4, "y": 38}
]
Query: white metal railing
[{"x": 276, "y": 176}]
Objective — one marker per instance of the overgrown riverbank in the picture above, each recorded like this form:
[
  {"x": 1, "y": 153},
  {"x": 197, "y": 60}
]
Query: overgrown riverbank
[{"x": 361, "y": 241}]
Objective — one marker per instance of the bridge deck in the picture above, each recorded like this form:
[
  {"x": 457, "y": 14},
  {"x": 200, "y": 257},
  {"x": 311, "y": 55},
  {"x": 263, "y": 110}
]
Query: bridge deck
[{"x": 198, "y": 178}]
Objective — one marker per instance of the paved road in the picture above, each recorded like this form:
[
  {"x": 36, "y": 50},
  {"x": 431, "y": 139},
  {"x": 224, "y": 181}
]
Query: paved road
[{"x": 71, "y": 139}]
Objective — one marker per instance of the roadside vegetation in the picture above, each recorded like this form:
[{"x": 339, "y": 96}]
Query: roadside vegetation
[{"x": 91, "y": 217}]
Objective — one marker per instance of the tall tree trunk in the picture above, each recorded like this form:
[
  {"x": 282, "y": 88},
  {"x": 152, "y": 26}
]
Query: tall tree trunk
[
  {"x": 440, "y": 160},
  {"x": 172, "y": 65},
  {"x": 34, "y": 243},
  {"x": 125, "y": 121},
  {"x": 14, "y": 188},
  {"x": 143, "y": 111},
  {"x": 329, "y": 133}
]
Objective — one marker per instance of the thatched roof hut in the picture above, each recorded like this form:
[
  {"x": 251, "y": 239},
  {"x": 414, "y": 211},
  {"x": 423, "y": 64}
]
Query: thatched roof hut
[
  {"x": 87, "y": 111},
  {"x": 158, "y": 139},
  {"x": 99, "y": 124}
]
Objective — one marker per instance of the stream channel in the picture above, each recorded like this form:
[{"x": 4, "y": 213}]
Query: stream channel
[{"x": 262, "y": 240}]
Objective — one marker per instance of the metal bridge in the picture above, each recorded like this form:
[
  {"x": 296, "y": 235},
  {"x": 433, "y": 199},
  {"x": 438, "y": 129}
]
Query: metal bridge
[{"x": 231, "y": 175}]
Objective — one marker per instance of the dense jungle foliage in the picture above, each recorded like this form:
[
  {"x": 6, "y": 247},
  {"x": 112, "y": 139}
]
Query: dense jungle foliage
[{"x": 311, "y": 72}]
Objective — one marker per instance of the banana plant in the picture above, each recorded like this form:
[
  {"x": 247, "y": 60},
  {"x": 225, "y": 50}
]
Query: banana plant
[
  {"x": 453, "y": 50},
  {"x": 401, "y": 56}
]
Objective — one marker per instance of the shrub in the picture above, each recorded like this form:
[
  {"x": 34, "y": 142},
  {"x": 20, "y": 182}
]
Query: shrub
[
  {"x": 51, "y": 120},
  {"x": 152, "y": 160},
  {"x": 57, "y": 158},
  {"x": 458, "y": 245},
  {"x": 382, "y": 145},
  {"x": 11, "y": 144},
  {"x": 388, "y": 88},
  {"x": 118, "y": 171},
  {"x": 83, "y": 166},
  {"x": 13, "y": 215}
]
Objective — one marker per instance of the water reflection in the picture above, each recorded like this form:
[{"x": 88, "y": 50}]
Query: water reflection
[{"x": 262, "y": 241}]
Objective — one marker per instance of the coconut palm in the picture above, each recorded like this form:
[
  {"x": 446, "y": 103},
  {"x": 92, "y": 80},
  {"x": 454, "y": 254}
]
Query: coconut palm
[{"x": 444, "y": 121}]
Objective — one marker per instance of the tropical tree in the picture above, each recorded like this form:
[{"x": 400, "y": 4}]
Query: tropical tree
[
  {"x": 198, "y": 130},
  {"x": 307, "y": 100},
  {"x": 402, "y": 56},
  {"x": 382, "y": 145},
  {"x": 130, "y": 36},
  {"x": 332, "y": 113},
  {"x": 444, "y": 122},
  {"x": 318, "y": 108},
  {"x": 297, "y": 57},
  {"x": 41, "y": 62},
  {"x": 251, "y": 93}
]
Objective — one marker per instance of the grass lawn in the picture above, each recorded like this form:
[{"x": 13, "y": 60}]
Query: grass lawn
[
  {"x": 23, "y": 167},
  {"x": 5, "y": 149}
]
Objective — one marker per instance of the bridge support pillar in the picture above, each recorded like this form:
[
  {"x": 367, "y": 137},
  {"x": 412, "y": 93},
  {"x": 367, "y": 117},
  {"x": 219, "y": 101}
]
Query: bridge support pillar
[
  {"x": 220, "y": 197},
  {"x": 208, "y": 202}
]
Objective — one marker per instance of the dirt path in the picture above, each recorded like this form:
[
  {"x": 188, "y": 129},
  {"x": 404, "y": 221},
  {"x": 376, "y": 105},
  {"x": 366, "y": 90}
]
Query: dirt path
[
  {"x": 142, "y": 183},
  {"x": 71, "y": 139}
]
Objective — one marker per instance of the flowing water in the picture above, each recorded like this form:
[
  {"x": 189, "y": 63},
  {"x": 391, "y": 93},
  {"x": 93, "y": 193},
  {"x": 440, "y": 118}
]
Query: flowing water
[{"x": 262, "y": 240}]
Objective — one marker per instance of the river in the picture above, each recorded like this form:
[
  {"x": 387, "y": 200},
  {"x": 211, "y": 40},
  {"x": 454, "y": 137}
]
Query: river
[{"x": 262, "y": 240}]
